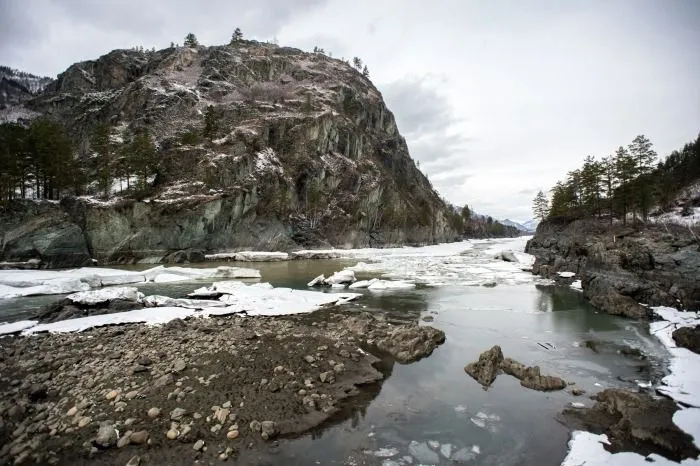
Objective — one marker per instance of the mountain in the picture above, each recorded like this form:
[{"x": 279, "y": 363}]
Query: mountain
[
  {"x": 17, "y": 86},
  {"x": 258, "y": 147},
  {"x": 528, "y": 226}
]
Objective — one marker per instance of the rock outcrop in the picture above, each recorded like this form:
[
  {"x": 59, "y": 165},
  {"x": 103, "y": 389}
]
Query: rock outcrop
[
  {"x": 621, "y": 266},
  {"x": 491, "y": 363},
  {"x": 305, "y": 153},
  {"x": 635, "y": 422},
  {"x": 688, "y": 337}
]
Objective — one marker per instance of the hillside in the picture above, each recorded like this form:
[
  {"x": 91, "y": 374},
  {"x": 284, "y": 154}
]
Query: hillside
[{"x": 256, "y": 146}]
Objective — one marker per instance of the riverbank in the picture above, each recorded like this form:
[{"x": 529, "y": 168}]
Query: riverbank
[{"x": 190, "y": 390}]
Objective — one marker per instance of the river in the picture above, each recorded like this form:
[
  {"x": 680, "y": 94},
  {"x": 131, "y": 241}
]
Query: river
[{"x": 431, "y": 409}]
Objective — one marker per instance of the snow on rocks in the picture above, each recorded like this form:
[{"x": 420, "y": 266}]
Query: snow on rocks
[
  {"x": 341, "y": 277},
  {"x": 248, "y": 256},
  {"x": 381, "y": 285},
  {"x": 576, "y": 285},
  {"x": 14, "y": 327},
  {"x": 317, "y": 281},
  {"x": 682, "y": 384},
  {"x": 566, "y": 274}
]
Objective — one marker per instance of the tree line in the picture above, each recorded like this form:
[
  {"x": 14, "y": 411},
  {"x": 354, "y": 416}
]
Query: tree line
[
  {"x": 40, "y": 161},
  {"x": 631, "y": 181}
]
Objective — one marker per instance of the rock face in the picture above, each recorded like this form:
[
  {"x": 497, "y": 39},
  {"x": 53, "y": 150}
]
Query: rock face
[
  {"x": 635, "y": 422},
  {"x": 621, "y": 266},
  {"x": 306, "y": 154}
]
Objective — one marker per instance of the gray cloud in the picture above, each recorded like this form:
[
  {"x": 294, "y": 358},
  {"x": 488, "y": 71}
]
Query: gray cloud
[{"x": 50, "y": 35}]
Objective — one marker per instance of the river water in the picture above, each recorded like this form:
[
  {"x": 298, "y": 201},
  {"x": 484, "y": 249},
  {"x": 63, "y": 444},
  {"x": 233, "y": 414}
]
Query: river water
[{"x": 427, "y": 411}]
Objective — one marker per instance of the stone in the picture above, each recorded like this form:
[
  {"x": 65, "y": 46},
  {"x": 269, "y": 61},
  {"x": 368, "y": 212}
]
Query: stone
[
  {"x": 153, "y": 412},
  {"x": 268, "y": 429},
  {"x": 486, "y": 368},
  {"x": 84, "y": 421},
  {"x": 310, "y": 359},
  {"x": 255, "y": 426},
  {"x": 134, "y": 461},
  {"x": 179, "y": 365},
  {"x": 577, "y": 391},
  {"x": 339, "y": 368},
  {"x": 177, "y": 414},
  {"x": 138, "y": 368},
  {"x": 198, "y": 445},
  {"x": 421, "y": 452},
  {"x": 232, "y": 434},
  {"x": 635, "y": 422},
  {"x": 140, "y": 437},
  {"x": 221, "y": 415},
  {"x": 411, "y": 342},
  {"x": 688, "y": 337},
  {"x": 124, "y": 439},
  {"x": 107, "y": 436},
  {"x": 72, "y": 412},
  {"x": 172, "y": 434},
  {"x": 111, "y": 395},
  {"x": 37, "y": 391},
  {"x": 327, "y": 377}
]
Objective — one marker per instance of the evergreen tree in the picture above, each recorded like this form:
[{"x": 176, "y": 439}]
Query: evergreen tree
[
  {"x": 365, "y": 72},
  {"x": 191, "y": 41},
  {"x": 104, "y": 166},
  {"x": 357, "y": 63},
  {"x": 51, "y": 154},
  {"x": 540, "y": 206},
  {"x": 143, "y": 157},
  {"x": 211, "y": 122},
  {"x": 608, "y": 179},
  {"x": 237, "y": 35},
  {"x": 466, "y": 213},
  {"x": 644, "y": 157},
  {"x": 624, "y": 173},
  {"x": 591, "y": 185}
]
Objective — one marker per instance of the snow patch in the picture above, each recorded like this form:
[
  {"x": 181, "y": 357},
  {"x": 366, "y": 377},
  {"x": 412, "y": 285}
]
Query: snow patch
[
  {"x": 566, "y": 274},
  {"x": 100, "y": 296}
]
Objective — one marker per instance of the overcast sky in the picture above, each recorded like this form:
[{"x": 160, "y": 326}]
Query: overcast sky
[{"x": 497, "y": 99}]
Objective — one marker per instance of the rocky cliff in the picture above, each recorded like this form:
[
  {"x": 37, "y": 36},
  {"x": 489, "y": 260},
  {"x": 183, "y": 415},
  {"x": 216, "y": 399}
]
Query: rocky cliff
[
  {"x": 621, "y": 266},
  {"x": 304, "y": 153}
]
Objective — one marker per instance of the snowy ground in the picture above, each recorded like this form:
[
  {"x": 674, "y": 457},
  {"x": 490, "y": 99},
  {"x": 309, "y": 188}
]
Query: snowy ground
[
  {"x": 676, "y": 217},
  {"x": 682, "y": 385}
]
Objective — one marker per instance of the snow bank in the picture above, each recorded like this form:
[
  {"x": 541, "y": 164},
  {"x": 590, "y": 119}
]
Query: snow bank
[
  {"x": 682, "y": 385},
  {"x": 13, "y": 327},
  {"x": 16, "y": 283}
]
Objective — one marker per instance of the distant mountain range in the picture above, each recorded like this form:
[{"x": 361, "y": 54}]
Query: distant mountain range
[
  {"x": 17, "y": 86},
  {"x": 529, "y": 226}
]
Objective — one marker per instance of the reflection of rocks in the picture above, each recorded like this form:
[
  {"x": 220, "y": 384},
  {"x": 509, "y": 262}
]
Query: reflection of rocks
[
  {"x": 688, "y": 337},
  {"x": 486, "y": 369},
  {"x": 405, "y": 343},
  {"x": 635, "y": 422},
  {"x": 67, "y": 309},
  {"x": 491, "y": 362}
]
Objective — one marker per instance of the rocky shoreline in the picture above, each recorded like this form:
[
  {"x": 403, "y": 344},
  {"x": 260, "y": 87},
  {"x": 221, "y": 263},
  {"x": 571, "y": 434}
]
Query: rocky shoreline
[
  {"x": 191, "y": 390},
  {"x": 621, "y": 266}
]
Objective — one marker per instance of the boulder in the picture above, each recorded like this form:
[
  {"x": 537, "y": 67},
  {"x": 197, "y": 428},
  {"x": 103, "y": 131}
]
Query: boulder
[
  {"x": 409, "y": 343},
  {"x": 486, "y": 369},
  {"x": 688, "y": 337},
  {"x": 635, "y": 422}
]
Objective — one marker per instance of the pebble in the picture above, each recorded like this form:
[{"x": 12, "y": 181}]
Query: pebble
[
  {"x": 339, "y": 368},
  {"x": 124, "y": 439},
  {"x": 226, "y": 405},
  {"x": 71, "y": 412},
  {"x": 140, "y": 437},
  {"x": 310, "y": 359},
  {"x": 179, "y": 365},
  {"x": 255, "y": 426},
  {"x": 172, "y": 434},
  {"x": 112, "y": 395},
  {"x": 198, "y": 445},
  {"x": 153, "y": 412},
  {"x": 134, "y": 461},
  {"x": 138, "y": 368},
  {"x": 107, "y": 436},
  {"x": 84, "y": 421},
  {"x": 177, "y": 413},
  {"x": 232, "y": 434}
]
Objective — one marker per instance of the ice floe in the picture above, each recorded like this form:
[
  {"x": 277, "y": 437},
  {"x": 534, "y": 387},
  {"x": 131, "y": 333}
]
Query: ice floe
[
  {"x": 576, "y": 285},
  {"x": 249, "y": 256},
  {"x": 16, "y": 283},
  {"x": 126, "y": 293},
  {"x": 238, "y": 298},
  {"x": 566, "y": 274},
  {"x": 682, "y": 384}
]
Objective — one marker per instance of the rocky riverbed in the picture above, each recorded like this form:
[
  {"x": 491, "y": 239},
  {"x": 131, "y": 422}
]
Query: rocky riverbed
[{"x": 194, "y": 390}]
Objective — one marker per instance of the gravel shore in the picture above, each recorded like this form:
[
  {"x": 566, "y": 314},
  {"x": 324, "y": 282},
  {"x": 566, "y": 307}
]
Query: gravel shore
[{"x": 195, "y": 391}]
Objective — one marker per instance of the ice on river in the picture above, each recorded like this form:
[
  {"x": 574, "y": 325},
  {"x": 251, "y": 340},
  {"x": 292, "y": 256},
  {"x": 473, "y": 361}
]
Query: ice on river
[
  {"x": 259, "y": 299},
  {"x": 682, "y": 385},
  {"x": 16, "y": 283},
  {"x": 472, "y": 262}
]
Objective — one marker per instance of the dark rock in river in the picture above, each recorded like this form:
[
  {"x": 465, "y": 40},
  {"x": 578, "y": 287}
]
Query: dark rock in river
[
  {"x": 67, "y": 309},
  {"x": 411, "y": 342},
  {"x": 491, "y": 362},
  {"x": 486, "y": 369},
  {"x": 688, "y": 337},
  {"x": 635, "y": 422},
  {"x": 622, "y": 265}
]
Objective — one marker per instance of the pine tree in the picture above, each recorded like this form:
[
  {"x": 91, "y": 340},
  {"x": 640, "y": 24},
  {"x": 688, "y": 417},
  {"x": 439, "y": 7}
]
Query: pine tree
[
  {"x": 103, "y": 155},
  {"x": 237, "y": 36},
  {"x": 357, "y": 63},
  {"x": 211, "y": 122},
  {"x": 609, "y": 182},
  {"x": 624, "y": 173},
  {"x": 365, "y": 72},
  {"x": 143, "y": 157},
  {"x": 591, "y": 184},
  {"x": 540, "y": 206},
  {"x": 191, "y": 41},
  {"x": 644, "y": 157}
]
